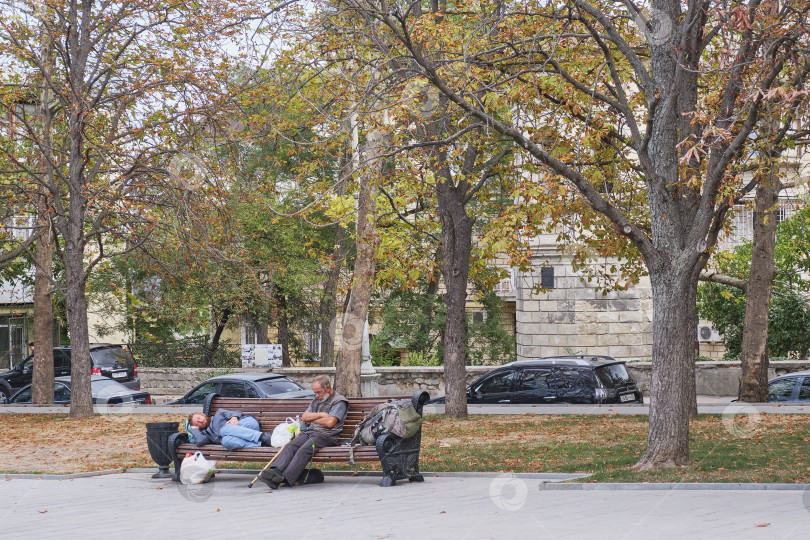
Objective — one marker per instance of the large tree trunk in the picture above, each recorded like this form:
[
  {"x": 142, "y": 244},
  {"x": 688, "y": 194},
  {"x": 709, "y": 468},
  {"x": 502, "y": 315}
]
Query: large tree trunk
[
  {"x": 349, "y": 360},
  {"x": 754, "y": 357},
  {"x": 673, "y": 354},
  {"x": 456, "y": 249},
  {"x": 81, "y": 401}
]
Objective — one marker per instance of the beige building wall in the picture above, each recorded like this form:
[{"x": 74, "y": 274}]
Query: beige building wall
[{"x": 575, "y": 318}]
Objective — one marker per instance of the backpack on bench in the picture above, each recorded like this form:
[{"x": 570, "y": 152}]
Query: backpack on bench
[{"x": 397, "y": 417}]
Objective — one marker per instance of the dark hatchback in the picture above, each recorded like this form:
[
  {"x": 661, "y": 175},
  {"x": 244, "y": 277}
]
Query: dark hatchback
[
  {"x": 245, "y": 385},
  {"x": 111, "y": 361},
  {"x": 559, "y": 379}
]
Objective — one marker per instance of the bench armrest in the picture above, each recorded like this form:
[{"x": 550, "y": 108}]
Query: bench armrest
[
  {"x": 207, "y": 403},
  {"x": 419, "y": 398}
]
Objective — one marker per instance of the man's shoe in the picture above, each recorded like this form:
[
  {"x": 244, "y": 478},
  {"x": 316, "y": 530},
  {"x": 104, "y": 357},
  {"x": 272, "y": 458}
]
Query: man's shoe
[
  {"x": 273, "y": 474},
  {"x": 271, "y": 485},
  {"x": 264, "y": 438}
]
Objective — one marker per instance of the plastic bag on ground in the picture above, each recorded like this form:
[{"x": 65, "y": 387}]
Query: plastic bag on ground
[{"x": 195, "y": 469}]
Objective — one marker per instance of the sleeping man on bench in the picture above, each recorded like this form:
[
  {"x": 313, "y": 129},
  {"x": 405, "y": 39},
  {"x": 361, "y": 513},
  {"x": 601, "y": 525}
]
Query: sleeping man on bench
[
  {"x": 322, "y": 424},
  {"x": 231, "y": 429}
]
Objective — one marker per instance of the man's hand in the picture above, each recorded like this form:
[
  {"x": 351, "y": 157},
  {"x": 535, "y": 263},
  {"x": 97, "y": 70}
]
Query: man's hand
[
  {"x": 309, "y": 417},
  {"x": 321, "y": 418},
  {"x": 234, "y": 421}
]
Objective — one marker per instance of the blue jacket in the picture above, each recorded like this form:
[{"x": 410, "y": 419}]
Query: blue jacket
[{"x": 210, "y": 435}]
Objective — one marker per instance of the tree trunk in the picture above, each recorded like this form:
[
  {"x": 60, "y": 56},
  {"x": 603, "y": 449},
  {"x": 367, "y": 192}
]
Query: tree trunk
[
  {"x": 754, "y": 357},
  {"x": 261, "y": 330},
  {"x": 212, "y": 346},
  {"x": 349, "y": 360},
  {"x": 328, "y": 306},
  {"x": 283, "y": 329},
  {"x": 42, "y": 383},
  {"x": 673, "y": 355},
  {"x": 456, "y": 249},
  {"x": 72, "y": 230},
  {"x": 81, "y": 401},
  {"x": 428, "y": 313}
]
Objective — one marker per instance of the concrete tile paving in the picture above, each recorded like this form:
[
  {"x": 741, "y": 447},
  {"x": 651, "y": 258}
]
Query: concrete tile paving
[{"x": 133, "y": 505}]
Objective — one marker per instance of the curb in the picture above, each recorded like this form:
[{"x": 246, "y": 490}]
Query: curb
[
  {"x": 673, "y": 487},
  {"x": 547, "y": 481},
  {"x": 67, "y": 476},
  {"x": 543, "y": 477}
]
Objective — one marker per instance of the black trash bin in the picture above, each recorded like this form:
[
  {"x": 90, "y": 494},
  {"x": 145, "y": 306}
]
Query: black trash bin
[{"x": 157, "y": 439}]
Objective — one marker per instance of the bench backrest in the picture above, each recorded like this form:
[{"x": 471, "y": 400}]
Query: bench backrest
[{"x": 271, "y": 412}]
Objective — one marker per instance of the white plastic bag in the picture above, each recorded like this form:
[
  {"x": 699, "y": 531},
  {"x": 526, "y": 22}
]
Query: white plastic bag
[
  {"x": 285, "y": 431},
  {"x": 195, "y": 469}
]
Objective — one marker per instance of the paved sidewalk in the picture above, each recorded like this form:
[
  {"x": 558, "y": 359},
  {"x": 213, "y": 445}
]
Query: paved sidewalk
[{"x": 133, "y": 505}]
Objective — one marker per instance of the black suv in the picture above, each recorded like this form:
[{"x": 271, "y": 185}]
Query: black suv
[
  {"x": 109, "y": 360},
  {"x": 558, "y": 379}
]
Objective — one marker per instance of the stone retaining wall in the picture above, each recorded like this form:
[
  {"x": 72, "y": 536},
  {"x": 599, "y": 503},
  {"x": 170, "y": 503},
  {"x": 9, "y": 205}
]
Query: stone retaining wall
[{"x": 712, "y": 378}]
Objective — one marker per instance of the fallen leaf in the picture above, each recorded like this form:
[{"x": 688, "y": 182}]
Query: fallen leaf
[
  {"x": 442, "y": 512},
  {"x": 42, "y": 511},
  {"x": 762, "y": 524},
  {"x": 159, "y": 487}
]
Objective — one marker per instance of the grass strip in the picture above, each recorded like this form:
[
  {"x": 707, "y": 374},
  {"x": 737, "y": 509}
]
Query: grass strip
[{"x": 759, "y": 448}]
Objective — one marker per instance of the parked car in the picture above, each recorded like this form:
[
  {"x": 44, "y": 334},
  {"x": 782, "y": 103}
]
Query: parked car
[
  {"x": 104, "y": 390},
  {"x": 794, "y": 387},
  {"x": 250, "y": 385},
  {"x": 108, "y": 360},
  {"x": 558, "y": 379}
]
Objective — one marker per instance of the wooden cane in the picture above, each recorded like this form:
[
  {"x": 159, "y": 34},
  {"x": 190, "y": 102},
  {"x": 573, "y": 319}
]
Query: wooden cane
[{"x": 269, "y": 463}]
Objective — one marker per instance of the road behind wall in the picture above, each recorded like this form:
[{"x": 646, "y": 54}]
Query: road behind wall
[{"x": 712, "y": 378}]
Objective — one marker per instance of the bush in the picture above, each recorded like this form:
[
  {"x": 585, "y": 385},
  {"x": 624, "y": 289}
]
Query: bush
[
  {"x": 189, "y": 352},
  {"x": 421, "y": 358}
]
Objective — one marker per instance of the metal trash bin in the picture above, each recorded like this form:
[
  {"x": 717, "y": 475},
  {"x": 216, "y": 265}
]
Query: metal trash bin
[{"x": 157, "y": 439}]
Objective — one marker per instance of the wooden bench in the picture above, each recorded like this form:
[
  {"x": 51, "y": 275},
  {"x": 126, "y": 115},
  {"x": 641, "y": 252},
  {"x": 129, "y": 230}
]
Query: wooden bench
[{"x": 399, "y": 457}]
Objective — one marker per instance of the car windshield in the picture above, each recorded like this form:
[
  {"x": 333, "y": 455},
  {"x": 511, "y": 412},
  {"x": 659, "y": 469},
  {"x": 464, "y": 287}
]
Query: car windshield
[
  {"x": 278, "y": 386},
  {"x": 111, "y": 357},
  {"x": 24, "y": 396},
  {"x": 198, "y": 395},
  {"x": 613, "y": 376}
]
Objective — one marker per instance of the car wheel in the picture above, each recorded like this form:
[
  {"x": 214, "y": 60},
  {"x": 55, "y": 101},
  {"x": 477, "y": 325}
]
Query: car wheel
[{"x": 5, "y": 393}]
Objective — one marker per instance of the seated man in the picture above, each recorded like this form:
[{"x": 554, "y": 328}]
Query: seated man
[
  {"x": 323, "y": 422},
  {"x": 231, "y": 429}
]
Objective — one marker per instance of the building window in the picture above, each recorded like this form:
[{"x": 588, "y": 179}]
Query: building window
[
  {"x": 13, "y": 340},
  {"x": 547, "y": 277},
  {"x": 251, "y": 333},
  {"x": 507, "y": 285},
  {"x": 312, "y": 338},
  {"x": 21, "y": 227}
]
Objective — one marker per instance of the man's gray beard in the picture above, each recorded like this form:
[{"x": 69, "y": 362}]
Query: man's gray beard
[{"x": 324, "y": 398}]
